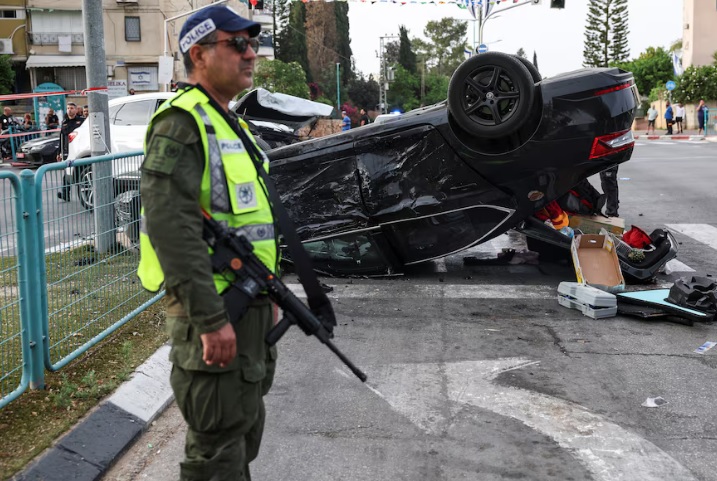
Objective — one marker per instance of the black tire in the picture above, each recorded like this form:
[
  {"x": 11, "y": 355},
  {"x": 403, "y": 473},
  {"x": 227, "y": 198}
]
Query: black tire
[
  {"x": 490, "y": 95},
  {"x": 84, "y": 187},
  {"x": 531, "y": 68}
]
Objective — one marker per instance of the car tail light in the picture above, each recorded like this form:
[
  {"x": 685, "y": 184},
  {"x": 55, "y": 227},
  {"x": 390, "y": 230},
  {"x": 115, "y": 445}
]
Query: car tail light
[
  {"x": 612, "y": 143},
  {"x": 615, "y": 88},
  {"x": 72, "y": 136}
]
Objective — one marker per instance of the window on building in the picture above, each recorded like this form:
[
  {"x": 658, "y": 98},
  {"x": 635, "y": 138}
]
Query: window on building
[
  {"x": 69, "y": 78},
  {"x": 57, "y": 21},
  {"x": 8, "y": 13},
  {"x": 132, "y": 32}
]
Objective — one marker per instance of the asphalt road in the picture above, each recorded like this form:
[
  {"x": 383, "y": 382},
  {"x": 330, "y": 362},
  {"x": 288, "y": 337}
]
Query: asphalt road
[{"x": 477, "y": 373}]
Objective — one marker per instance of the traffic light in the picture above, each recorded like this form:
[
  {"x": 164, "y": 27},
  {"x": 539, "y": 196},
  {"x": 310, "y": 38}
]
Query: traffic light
[{"x": 557, "y": 3}]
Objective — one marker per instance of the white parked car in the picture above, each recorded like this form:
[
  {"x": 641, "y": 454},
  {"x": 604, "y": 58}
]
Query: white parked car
[{"x": 129, "y": 118}]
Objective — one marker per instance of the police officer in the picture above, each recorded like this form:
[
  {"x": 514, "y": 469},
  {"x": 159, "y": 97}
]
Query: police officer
[
  {"x": 72, "y": 121},
  {"x": 195, "y": 160}
]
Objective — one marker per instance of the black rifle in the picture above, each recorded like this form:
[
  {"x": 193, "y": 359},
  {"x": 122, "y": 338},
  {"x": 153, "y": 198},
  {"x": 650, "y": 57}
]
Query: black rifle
[{"x": 235, "y": 254}]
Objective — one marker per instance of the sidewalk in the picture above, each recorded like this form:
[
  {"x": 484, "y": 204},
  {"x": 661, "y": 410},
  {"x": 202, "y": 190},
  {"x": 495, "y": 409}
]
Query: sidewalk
[
  {"x": 88, "y": 450},
  {"x": 660, "y": 134}
]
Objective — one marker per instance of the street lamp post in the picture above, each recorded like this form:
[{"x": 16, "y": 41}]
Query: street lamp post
[
  {"x": 482, "y": 21},
  {"x": 338, "y": 88}
]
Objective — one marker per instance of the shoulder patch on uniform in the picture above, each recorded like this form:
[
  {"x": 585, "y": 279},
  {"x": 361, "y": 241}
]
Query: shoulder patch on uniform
[{"x": 162, "y": 154}]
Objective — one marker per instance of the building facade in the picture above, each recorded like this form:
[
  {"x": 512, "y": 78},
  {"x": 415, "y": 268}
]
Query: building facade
[
  {"x": 699, "y": 32},
  {"x": 47, "y": 44}
]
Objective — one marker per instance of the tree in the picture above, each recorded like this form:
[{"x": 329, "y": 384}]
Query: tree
[
  {"x": 343, "y": 46},
  {"x": 606, "y": 33},
  {"x": 277, "y": 76},
  {"x": 402, "y": 93},
  {"x": 535, "y": 59},
  {"x": 364, "y": 93},
  {"x": 328, "y": 43},
  {"x": 291, "y": 37},
  {"x": 406, "y": 56},
  {"x": 7, "y": 75},
  {"x": 390, "y": 52},
  {"x": 521, "y": 53},
  {"x": 444, "y": 51},
  {"x": 652, "y": 68},
  {"x": 696, "y": 83},
  {"x": 436, "y": 88}
]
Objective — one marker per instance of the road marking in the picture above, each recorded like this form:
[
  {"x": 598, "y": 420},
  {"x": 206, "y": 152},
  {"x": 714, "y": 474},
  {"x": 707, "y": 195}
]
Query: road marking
[
  {"x": 704, "y": 233},
  {"x": 437, "y": 291},
  {"x": 432, "y": 394}
]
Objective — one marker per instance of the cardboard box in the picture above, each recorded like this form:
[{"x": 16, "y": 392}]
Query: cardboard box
[
  {"x": 591, "y": 224},
  {"x": 596, "y": 262}
]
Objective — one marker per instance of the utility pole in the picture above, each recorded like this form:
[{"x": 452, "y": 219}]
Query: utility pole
[
  {"x": 102, "y": 185},
  {"x": 383, "y": 76}
]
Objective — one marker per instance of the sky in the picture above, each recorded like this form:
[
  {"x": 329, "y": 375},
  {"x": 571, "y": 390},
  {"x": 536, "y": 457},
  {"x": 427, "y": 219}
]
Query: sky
[{"x": 556, "y": 35}]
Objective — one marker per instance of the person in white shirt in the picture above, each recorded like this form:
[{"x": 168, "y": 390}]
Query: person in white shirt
[
  {"x": 651, "y": 117},
  {"x": 679, "y": 115}
]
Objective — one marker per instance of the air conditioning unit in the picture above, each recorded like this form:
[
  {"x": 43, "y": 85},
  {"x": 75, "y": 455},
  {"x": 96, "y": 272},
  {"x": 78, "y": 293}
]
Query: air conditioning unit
[{"x": 6, "y": 46}]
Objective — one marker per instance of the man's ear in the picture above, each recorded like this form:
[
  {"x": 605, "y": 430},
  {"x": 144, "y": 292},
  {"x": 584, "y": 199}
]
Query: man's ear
[{"x": 198, "y": 54}]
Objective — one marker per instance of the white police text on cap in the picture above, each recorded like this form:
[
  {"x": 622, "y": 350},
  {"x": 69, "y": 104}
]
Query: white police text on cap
[{"x": 196, "y": 34}]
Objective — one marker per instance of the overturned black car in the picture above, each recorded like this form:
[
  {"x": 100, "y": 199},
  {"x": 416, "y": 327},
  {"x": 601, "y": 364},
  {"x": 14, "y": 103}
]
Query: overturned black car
[
  {"x": 440, "y": 179},
  {"x": 446, "y": 177}
]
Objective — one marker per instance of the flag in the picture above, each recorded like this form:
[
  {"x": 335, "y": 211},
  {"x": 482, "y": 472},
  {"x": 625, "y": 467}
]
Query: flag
[{"x": 677, "y": 64}]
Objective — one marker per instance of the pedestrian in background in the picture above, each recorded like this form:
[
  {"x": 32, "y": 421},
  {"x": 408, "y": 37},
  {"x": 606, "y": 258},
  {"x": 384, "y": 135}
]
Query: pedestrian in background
[
  {"x": 668, "y": 118},
  {"x": 51, "y": 120},
  {"x": 701, "y": 114},
  {"x": 222, "y": 368},
  {"x": 679, "y": 115},
  {"x": 364, "y": 120},
  {"x": 72, "y": 121},
  {"x": 85, "y": 111},
  {"x": 28, "y": 123},
  {"x": 651, "y": 117},
  {"x": 346, "y": 121}
]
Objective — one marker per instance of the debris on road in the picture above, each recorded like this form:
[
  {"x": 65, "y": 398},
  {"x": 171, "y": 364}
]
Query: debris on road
[
  {"x": 654, "y": 402},
  {"x": 705, "y": 347}
]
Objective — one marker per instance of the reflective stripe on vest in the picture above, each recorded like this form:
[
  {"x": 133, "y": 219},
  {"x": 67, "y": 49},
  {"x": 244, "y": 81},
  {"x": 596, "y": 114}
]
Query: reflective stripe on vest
[
  {"x": 253, "y": 233},
  {"x": 220, "y": 195}
]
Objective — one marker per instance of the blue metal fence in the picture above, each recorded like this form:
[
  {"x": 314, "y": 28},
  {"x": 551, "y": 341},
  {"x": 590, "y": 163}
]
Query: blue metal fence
[{"x": 62, "y": 295}]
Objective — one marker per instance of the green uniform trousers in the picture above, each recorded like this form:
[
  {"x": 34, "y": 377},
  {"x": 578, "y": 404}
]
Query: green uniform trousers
[{"x": 223, "y": 407}]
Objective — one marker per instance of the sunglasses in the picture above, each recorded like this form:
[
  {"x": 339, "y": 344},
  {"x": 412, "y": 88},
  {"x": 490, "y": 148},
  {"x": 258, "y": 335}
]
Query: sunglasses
[{"x": 239, "y": 43}]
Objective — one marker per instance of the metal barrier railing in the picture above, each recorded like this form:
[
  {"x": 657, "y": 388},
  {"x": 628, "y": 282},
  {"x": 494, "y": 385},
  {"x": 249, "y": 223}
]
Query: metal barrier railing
[
  {"x": 14, "y": 345},
  {"x": 81, "y": 265}
]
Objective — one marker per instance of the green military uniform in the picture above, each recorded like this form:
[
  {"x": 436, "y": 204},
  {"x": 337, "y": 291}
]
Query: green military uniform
[{"x": 223, "y": 407}]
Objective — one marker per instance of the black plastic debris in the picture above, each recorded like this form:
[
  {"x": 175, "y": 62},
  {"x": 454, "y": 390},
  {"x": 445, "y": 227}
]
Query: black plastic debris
[{"x": 695, "y": 292}]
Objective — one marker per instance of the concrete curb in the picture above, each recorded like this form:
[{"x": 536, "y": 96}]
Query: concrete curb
[
  {"x": 670, "y": 137},
  {"x": 90, "y": 448}
]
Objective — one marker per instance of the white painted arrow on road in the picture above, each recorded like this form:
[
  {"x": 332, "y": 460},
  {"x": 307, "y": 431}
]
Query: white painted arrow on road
[{"x": 422, "y": 393}]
